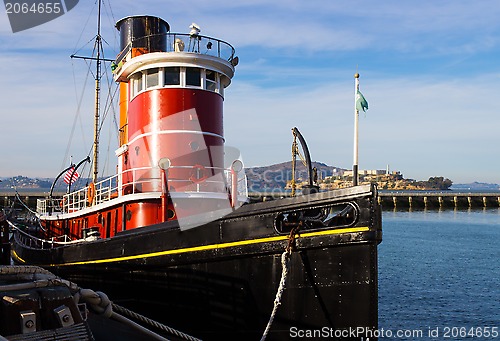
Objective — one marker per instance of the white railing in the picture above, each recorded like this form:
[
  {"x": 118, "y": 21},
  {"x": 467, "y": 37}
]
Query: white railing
[
  {"x": 133, "y": 182},
  {"x": 180, "y": 42}
]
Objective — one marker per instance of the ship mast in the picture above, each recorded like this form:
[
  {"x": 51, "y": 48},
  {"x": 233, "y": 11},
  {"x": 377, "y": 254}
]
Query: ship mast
[{"x": 98, "y": 47}]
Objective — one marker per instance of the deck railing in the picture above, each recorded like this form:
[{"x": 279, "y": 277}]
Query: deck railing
[
  {"x": 31, "y": 241},
  {"x": 134, "y": 182},
  {"x": 180, "y": 42}
]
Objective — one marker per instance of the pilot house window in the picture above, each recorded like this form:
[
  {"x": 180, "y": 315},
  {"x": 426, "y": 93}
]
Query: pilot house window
[
  {"x": 172, "y": 76},
  {"x": 211, "y": 80},
  {"x": 175, "y": 76},
  {"x": 152, "y": 79},
  {"x": 136, "y": 84},
  {"x": 193, "y": 76}
]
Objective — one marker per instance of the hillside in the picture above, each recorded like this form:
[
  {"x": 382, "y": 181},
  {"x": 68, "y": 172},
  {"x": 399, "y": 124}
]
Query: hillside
[
  {"x": 277, "y": 176},
  {"x": 25, "y": 184}
]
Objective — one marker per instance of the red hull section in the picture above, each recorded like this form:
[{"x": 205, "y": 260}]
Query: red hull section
[{"x": 109, "y": 221}]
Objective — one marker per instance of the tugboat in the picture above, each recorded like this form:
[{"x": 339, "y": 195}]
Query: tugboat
[{"x": 173, "y": 234}]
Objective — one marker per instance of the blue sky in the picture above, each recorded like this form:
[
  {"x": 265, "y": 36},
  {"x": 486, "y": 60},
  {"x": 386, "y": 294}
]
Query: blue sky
[{"x": 429, "y": 70}]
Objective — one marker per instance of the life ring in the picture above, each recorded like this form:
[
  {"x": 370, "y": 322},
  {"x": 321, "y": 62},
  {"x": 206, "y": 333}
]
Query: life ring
[
  {"x": 198, "y": 174},
  {"x": 91, "y": 193}
]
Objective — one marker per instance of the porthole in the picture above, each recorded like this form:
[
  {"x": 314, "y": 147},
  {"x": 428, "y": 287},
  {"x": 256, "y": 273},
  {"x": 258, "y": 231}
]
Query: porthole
[{"x": 195, "y": 146}]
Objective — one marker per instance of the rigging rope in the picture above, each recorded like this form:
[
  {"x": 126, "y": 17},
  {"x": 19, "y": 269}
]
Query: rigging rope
[
  {"x": 77, "y": 115},
  {"x": 83, "y": 29},
  {"x": 112, "y": 14},
  {"x": 97, "y": 48},
  {"x": 108, "y": 106}
]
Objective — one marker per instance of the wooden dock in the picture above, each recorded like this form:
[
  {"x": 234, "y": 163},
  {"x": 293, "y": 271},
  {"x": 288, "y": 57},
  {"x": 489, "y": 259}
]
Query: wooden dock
[
  {"x": 416, "y": 199},
  {"x": 8, "y": 198},
  {"x": 438, "y": 199}
]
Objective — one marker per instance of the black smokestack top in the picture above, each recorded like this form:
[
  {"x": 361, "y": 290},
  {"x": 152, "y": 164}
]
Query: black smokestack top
[{"x": 143, "y": 31}]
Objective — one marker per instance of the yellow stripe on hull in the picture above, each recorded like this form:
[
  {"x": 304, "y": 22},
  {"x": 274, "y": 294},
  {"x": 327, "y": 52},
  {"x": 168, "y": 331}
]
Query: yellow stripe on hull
[{"x": 210, "y": 247}]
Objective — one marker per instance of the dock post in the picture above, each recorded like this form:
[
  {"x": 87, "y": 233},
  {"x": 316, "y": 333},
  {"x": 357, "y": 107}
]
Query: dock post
[{"x": 6, "y": 201}]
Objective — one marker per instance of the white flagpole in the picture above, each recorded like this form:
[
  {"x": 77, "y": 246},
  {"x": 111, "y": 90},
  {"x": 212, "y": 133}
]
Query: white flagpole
[{"x": 356, "y": 119}]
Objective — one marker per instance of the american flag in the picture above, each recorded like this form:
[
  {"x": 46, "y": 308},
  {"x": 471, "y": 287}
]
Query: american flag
[{"x": 67, "y": 176}]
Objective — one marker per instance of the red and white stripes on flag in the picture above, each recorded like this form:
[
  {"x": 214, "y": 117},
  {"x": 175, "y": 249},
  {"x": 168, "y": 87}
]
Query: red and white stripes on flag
[{"x": 67, "y": 176}]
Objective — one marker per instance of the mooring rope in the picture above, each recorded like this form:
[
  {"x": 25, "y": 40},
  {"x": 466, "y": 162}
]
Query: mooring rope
[
  {"x": 285, "y": 263},
  {"x": 285, "y": 257},
  {"x": 158, "y": 325},
  {"x": 23, "y": 204}
]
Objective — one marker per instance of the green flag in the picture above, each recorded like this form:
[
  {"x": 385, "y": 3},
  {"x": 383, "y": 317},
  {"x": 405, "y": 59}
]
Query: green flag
[{"x": 361, "y": 103}]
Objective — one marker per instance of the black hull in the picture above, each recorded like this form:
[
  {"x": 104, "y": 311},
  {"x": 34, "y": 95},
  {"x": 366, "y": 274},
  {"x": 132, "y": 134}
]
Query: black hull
[{"x": 219, "y": 281}]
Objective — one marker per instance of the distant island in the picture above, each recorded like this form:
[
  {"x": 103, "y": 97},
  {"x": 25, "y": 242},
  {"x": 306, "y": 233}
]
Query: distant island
[{"x": 278, "y": 177}]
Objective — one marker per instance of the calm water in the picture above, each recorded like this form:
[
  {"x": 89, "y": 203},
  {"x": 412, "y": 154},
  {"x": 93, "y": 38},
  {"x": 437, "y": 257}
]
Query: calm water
[{"x": 439, "y": 273}]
